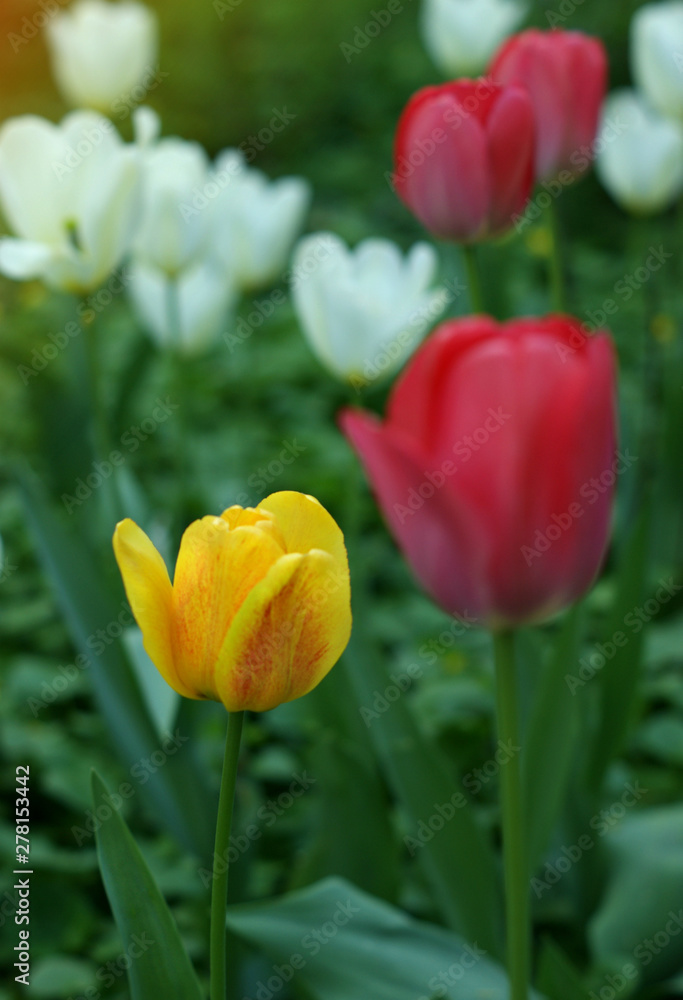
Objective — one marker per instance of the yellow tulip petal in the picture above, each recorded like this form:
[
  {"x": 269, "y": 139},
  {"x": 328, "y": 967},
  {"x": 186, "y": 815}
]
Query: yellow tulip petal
[
  {"x": 289, "y": 633},
  {"x": 217, "y": 568},
  {"x": 305, "y": 524},
  {"x": 150, "y": 595},
  {"x": 238, "y": 517}
]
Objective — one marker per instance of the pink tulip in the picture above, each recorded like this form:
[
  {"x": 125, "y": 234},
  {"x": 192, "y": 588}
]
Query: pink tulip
[
  {"x": 565, "y": 73},
  {"x": 463, "y": 160},
  {"x": 495, "y": 466}
]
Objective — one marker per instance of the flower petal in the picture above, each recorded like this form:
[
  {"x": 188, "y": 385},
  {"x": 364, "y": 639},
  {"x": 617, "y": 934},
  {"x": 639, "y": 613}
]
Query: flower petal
[
  {"x": 289, "y": 633},
  {"x": 305, "y": 524},
  {"x": 149, "y": 592}
]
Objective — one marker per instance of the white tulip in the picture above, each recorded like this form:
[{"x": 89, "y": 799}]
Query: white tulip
[
  {"x": 187, "y": 313},
  {"x": 364, "y": 311},
  {"x": 103, "y": 52},
  {"x": 657, "y": 55},
  {"x": 70, "y": 193},
  {"x": 461, "y": 36},
  {"x": 256, "y": 220},
  {"x": 175, "y": 219},
  {"x": 640, "y": 161}
]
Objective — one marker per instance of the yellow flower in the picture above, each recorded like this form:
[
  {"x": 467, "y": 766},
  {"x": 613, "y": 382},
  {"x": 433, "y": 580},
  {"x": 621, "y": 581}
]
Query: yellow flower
[{"x": 260, "y": 607}]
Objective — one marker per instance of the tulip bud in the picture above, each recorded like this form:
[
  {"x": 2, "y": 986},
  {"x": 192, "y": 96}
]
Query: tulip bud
[
  {"x": 70, "y": 192},
  {"x": 495, "y": 466},
  {"x": 204, "y": 300},
  {"x": 641, "y": 157},
  {"x": 259, "y": 610},
  {"x": 462, "y": 35},
  {"x": 175, "y": 218},
  {"x": 364, "y": 311},
  {"x": 565, "y": 73},
  {"x": 463, "y": 160},
  {"x": 256, "y": 220},
  {"x": 657, "y": 55},
  {"x": 102, "y": 52}
]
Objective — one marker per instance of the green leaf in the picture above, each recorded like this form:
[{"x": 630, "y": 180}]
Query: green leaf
[
  {"x": 556, "y": 976},
  {"x": 160, "y": 966},
  {"x": 643, "y": 900},
  {"x": 550, "y": 740},
  {"x": 619, "y": 676},
  {"x": 175, "y": 788},
  {"x": 342, "y": 944},
  {"x": 161, "y": 700},
  {"x": 457, "y": 859}
]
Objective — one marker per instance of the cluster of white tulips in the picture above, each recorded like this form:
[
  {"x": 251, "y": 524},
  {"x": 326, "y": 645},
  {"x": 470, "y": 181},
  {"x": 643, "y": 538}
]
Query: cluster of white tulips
[
  {"x": 193, "y": 235},
  {"x": 640, "y": 158}
]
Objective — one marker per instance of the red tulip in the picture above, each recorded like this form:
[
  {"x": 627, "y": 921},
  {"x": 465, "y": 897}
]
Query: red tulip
[
  {"x": 463, "y": 159},
  {"x": 565, "y": 73},
  {"x": 496, "y": 464}
]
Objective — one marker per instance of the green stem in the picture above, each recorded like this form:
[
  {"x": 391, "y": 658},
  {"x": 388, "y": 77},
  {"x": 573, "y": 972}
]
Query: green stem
[
  {"x": 558, "y": 283},
  {"x": 219, "y": 893},
  {"x": 514, "y": 848},
  {"x": 99, "y": 423},
  {"x": 473, "y": 278}
]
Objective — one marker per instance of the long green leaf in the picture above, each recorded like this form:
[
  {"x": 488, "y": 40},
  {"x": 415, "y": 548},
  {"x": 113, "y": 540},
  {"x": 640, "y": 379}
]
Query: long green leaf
[
  {"x": 456, "y": 857},
  {"x": 159, "y": 964},
  {"x": 175, "y": 788},
  {"x": 550, "y": 740},
  {"x": 618, "y": 677},
  {"x": 341, "y": 944}
]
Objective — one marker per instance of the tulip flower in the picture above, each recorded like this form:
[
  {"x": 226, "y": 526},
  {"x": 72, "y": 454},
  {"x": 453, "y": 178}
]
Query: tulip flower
[
  {"x": 174, "y": 224},
  {"x": 364, "y": 311},
  {"x": 463, "y": 160},
  {"x": 462, "y": 35},
  {"x": 259, "y": 609},
  {"x": 565, "y": 73},
  {"x": 102, "y": 52},
  {"x": 205, "y": 300},
  {"x": 641, "y": 165},
  {"x": 70, "y": 193},
  {"x": 657, "y": 55},
  {"x": 256, "y": 220},
  {"x": 495, "y": 466}
]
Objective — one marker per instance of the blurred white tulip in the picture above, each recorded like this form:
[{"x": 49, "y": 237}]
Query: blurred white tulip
[
  {"x": 364, "y": 311},
  {"x": 657, "y": 55},
  {"x": 102, "y": 52},
  {"x": 461, "y": 36},
  {"x": 187, "y": 313},
  {"x": 640, "y": 162},
  {"x": 174, "y": 224},
  {"x": 70, "y": 193},
  {"x": 256, "y": 220}
]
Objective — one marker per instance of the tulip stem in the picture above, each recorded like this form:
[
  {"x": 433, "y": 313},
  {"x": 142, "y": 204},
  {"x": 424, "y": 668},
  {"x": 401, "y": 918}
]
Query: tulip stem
[
  {"x": 558, "y": 285},
  {"x": 219, "y": 893},
  {"x": 473, "y": 278},
  {"x": 514, "y": 848}
]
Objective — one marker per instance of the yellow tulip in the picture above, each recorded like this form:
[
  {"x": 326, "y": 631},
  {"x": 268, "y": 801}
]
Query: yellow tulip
[{"x": 260, "y": 607}]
